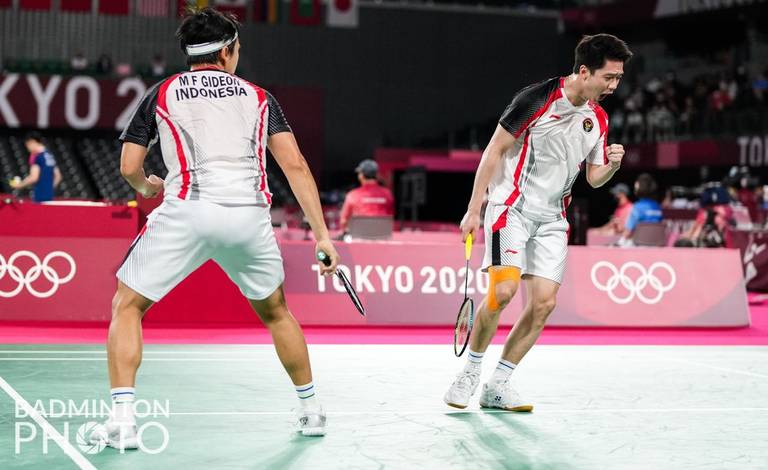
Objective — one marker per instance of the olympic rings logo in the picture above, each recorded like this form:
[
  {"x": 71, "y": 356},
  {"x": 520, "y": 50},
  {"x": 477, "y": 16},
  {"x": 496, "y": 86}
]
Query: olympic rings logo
[
  {"x": 38, "y": 268},
  {"x": 636, "y": 287}
]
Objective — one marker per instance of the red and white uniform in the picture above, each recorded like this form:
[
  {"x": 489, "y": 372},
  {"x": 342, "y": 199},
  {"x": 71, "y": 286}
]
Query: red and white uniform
[
  {"x": 528, "y": 196},
  {"x": 370, "y": 199},
  {"x": 213, "y": 129}
]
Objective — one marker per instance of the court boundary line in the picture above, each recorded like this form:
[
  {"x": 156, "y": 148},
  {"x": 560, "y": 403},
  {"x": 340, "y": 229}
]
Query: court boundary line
[
  {"x": 78, "y": 458},
  {"x": 540, "y": 410},
  {"x": 710, "y": 366},
  {"x": 159, "y": 359}
]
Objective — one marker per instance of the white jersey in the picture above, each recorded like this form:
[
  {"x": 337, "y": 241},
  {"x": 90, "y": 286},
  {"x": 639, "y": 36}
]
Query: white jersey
[
  {"x": 213, "y": 129},
  {"x": 553, "y": 139}
]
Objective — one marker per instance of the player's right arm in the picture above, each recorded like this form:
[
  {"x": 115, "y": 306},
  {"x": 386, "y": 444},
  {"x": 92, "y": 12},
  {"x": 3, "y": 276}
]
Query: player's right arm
[
  {"x": 288, "y": 156},
  {"x": 500, "y": 143},
  {"x": 31, "y": 179},
  {"x": 132, "y": 168}
]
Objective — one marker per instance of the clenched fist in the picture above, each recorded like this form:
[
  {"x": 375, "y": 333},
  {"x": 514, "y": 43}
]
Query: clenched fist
[{"x": 615, "y": 154}]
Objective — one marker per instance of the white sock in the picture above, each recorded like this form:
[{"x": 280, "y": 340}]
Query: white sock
[
  {"x": 306, "y": 395},
  {"x": 474, "y": 361},
  {"x": 122, "y": 404},
  {"x": 503, "y": 370}
]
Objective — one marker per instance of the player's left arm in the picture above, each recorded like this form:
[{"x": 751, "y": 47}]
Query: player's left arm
[
  {"x": 598, "y": 175},
  {"x": 56, "y": 177}
]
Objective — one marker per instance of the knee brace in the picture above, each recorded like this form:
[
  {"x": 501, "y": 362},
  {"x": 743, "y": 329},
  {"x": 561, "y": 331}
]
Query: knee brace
[{"x": 497, "y": 275}]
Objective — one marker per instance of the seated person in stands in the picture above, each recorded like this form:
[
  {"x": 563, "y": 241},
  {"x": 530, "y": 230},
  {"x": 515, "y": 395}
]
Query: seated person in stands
[
  {"x": 714, "y": 220},
  {"x": 370, "y": 199},
  {"x": 43, "y": 175},
  {"x": 645, "y": 210},
  {"x": 619, "y": 218}
]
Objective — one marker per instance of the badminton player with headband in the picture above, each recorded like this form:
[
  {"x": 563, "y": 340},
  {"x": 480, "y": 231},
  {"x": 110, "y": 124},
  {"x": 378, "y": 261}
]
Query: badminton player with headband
[
  {"x": 528, "y": 168},
  {"x": 214, "y": 129}
]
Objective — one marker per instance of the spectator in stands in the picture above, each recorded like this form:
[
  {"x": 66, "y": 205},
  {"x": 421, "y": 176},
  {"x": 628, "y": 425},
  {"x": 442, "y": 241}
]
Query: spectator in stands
[
  {"x": 719, "y": 101},
  {"x": 370, "y": 199},
  {"x": 78, "y": 62},
  {"x": 43, "y": 175},
  {"x": 645, "y": 210},
  {"x": 158, "y": 66},
  {"x": 104, "y": 64},
  {"x": 660, "y": 120},
  {"x": 760, "y": 87},
  {"x": 621, "y": 214},
  {"x": 635, "y": 125},
  {"x": 686, "y": 117},
  {"x": 618, "y": 122},
  {"x": 672, "y": 88}
]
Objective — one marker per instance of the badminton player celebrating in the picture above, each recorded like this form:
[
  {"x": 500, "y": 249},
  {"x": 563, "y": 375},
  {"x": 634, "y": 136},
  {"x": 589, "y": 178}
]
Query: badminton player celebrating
[
  {"x": 214, "y": 129},
  {"x": 529, "y": 167}
]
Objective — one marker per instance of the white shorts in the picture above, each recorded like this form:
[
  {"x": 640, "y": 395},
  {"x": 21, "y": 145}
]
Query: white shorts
[
  {"x": 182, "y": 235},
  {"x": 537, "y": 248}
]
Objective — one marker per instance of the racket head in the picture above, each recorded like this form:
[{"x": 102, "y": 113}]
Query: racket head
[
  {"x": 351, "y": 291},
  {"x": 463, "y": 329}
]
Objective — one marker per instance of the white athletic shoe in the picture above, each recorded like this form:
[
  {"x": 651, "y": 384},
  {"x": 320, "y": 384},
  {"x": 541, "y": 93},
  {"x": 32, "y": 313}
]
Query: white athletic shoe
[
  {"x": 462, "y": 389},
  {"x": 121, "y": 436},
  {"x": 502, "y": 395},
  {"x": 311, "y": 422}
]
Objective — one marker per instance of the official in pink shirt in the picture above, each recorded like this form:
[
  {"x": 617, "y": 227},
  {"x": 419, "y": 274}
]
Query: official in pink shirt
[
  {"x": 370, "y": 199},
  {"x": 623, "y": 209}
]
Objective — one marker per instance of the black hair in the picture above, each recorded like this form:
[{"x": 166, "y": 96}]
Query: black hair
[
  {"x": 646, "y": 186},
  {"x": 206, "y": 25},
  {"x": 34, "y": 135},
  {"x": 593, "y": 51}
]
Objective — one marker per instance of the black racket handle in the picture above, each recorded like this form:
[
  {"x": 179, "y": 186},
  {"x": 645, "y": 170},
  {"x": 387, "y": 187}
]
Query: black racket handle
[{"x": 324, "y": 258}]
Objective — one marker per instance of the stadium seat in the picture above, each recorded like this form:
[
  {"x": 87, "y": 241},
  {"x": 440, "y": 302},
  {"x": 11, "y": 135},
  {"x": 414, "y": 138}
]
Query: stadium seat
[
  {"x": 370, "y": 228},
  {"x": 650, "y": 234}
]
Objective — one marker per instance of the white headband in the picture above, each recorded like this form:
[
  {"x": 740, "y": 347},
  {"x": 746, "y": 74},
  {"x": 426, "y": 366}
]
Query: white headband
[{"x": 208, "y": 47}]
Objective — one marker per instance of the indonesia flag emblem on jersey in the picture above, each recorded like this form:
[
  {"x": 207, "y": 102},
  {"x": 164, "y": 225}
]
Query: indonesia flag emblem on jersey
[{"x": 587, "y": 124}]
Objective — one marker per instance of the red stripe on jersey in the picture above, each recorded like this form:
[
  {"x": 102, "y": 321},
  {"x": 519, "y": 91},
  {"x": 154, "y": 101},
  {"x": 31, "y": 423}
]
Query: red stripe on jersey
[
  {"x": 162, "y": 105},
  {"x": 501, "y": 222},
  {"x": 540, "y": 112},
  {"x": 261, "y": 96},
  {"x": 602, "y": 120},
  {"x": 162, "y": 102},
  {"x": 518, "y": 171},
  {"x": 184, "y": 169},
  {"x": 566, "y": 203}
]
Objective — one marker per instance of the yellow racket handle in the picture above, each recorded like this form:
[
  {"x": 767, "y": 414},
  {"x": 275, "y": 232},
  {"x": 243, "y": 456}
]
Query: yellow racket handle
[{"x": 468, "y": 247}]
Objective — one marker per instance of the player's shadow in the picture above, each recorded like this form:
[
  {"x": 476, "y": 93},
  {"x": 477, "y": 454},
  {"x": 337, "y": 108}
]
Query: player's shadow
[
  {"x": 291, "y": 452},
  {"x": 514, "y": 446}
]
